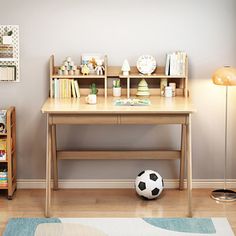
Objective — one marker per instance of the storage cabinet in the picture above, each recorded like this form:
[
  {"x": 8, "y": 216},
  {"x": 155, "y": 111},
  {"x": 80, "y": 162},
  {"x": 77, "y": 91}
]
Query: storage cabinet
[{"x": 10, "y": 163}]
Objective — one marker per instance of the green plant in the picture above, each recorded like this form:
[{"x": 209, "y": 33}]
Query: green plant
[
  {"x": 116, "y": 83},
  {"x": 7, "y": 33},
  {"x": 93, "y": 88}
]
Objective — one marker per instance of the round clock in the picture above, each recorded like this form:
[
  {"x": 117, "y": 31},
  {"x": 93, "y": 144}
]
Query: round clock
[{"x": 146, "y": 64}]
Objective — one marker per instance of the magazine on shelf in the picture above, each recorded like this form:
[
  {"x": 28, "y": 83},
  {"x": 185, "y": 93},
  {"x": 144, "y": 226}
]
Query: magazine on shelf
[{"x": 3, "y": 121}]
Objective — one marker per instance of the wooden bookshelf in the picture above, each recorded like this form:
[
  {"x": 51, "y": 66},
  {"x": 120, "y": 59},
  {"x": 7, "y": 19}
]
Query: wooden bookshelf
[
  {"x": 10, "y": 162},
  {"x": 129, "y": 83},
  {"x": 87, "y": 80},
  {"x": 154, "y": 80}
]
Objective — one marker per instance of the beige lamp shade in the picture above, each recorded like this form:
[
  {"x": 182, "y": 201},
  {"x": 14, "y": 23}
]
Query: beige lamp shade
[{"x": 225, "y": 76}]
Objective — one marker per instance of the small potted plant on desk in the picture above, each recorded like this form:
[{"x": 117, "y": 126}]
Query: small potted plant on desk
[
  {"x": 92, "y": 97},
  {"x": 116, "y": 88}
]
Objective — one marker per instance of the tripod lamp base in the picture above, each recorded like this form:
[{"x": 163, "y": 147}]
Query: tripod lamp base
[{"x": 223, "y": 195}]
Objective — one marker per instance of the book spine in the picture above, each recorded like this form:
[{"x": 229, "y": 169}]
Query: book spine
[
  {"x": 73, "y": 88},
  {"x": 69, "y": 88},
  {"x": 64, "y": 88},
  {"x": 167, "y": 68},
  {"x": 77, "y": 89}
]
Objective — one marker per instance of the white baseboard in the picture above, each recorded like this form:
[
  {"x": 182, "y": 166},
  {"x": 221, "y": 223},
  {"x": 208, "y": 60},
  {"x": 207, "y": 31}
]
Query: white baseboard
[{"x": 119, "y": 183}]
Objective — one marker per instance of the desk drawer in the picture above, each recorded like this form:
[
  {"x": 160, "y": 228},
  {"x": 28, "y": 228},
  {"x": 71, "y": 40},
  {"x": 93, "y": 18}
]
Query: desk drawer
[
  {"x": 152, "y": 119},
  {"x": 84, "y": 119}
]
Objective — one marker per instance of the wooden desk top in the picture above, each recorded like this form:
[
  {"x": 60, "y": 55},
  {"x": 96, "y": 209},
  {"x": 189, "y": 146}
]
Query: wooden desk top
[{"x": 159, "y": 105}]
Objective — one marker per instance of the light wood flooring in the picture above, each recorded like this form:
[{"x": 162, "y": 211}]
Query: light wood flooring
[{"x": 112, "y": 203}]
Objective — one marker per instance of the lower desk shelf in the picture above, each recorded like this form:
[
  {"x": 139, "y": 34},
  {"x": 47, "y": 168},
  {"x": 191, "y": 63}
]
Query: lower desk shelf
[{"x": 119, "y": 155}]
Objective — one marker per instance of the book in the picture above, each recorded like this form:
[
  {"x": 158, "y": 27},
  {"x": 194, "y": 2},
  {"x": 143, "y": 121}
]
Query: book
[
  {"x": 176, "y": 63},
  {"x": 3, "y": 179},
  {"x": 73, "y": 88},
  {"x": 68, "y": 88},
  {"x": 3, "y": 149},
  {"x": 173, "y": 63},
  {"x": 167, "y": 68},
  {"x": 77, "y": 89},
  {"x": 3, "y": 121},
  {"x": 56, "y": 88},
  {"x": 63, "y": 88}
]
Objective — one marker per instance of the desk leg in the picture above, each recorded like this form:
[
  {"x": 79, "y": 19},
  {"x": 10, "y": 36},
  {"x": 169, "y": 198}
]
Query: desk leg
[
  {"x": 48, "y": 168},
  {"x": 54, "y": 157},
  {"x": 189, "y": 163},
  {"x": 182, "y": 160}
]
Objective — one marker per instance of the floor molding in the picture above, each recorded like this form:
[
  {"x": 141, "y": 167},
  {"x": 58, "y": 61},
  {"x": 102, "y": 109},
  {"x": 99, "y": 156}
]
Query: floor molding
[{"x": 119, "y": 183}]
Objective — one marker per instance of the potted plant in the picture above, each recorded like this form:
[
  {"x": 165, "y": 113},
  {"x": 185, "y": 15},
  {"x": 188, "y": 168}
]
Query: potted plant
[
  {"x": 93, "y": 89},
  {"x": 7, "y": 37},
  {"x": 116, "y": 88},
  {"x": 92, "y": 97}
]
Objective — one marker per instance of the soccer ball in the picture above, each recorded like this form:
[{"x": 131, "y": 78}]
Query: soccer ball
[{"x": 149, "y": 184}]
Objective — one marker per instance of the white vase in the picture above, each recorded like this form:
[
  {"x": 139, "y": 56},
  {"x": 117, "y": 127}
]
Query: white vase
[{"x": 116, "y": 91}]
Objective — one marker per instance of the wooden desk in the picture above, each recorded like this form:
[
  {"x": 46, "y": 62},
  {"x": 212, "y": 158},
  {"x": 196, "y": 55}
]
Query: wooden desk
[{"x": 76, "y": 112}]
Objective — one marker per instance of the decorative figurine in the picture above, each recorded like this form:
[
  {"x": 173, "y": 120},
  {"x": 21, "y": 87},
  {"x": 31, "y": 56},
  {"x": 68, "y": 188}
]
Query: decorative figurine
[
  {"x": 93, "y": 61},
  {"x": 85, "y": 69},
  {"x": 99, "y": 68},
  {"x": 125, "y": 67},
  {"x": 68, "y": 67},
  {"x": 143, "y": 89},
  {"x": 163, "y": 84}
]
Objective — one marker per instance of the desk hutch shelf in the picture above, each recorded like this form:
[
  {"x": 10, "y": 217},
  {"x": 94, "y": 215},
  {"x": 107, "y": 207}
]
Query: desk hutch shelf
[
  {"x": 10, "y": 162},
  {"x": 129, "y": 83},
  {"x": 84, "y": 80}
]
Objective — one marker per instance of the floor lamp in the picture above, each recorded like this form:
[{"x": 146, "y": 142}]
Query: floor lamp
[{"x": 225, "y": 76}]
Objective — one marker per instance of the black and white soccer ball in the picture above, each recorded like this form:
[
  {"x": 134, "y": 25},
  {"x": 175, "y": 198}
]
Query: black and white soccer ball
[{"x": 149, "y": 184}]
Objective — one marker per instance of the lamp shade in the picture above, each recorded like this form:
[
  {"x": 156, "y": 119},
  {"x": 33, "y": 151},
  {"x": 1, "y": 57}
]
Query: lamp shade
[{"x": 225, "y": 76}]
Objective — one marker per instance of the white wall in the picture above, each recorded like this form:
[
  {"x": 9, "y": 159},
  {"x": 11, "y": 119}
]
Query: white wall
[{"x": 205, "y": 29}]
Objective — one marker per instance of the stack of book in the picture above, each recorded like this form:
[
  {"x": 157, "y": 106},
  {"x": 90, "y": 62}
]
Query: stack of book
[
  {"x": 176, "y": 63},
  {"x": 65, "y": 88},
  {"x": 6, "y": 51},
  {"x": 3, "y": 178}
]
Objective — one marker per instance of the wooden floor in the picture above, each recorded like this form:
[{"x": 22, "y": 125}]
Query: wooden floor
[{"x": 112, "y": 203}]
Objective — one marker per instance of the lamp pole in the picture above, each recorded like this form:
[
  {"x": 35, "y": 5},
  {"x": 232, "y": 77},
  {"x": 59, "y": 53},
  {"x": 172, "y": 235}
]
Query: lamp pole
[
  {"x": 225, "y": 76},
  {"x": 225, "y": 195},
  {"x": 226, "y": 134}
]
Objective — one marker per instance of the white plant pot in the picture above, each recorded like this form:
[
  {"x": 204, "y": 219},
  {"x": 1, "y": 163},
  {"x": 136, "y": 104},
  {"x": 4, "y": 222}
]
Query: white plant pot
[
  {"x": 7, "y": 39},
  {"x": 116, "y": 91}
]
